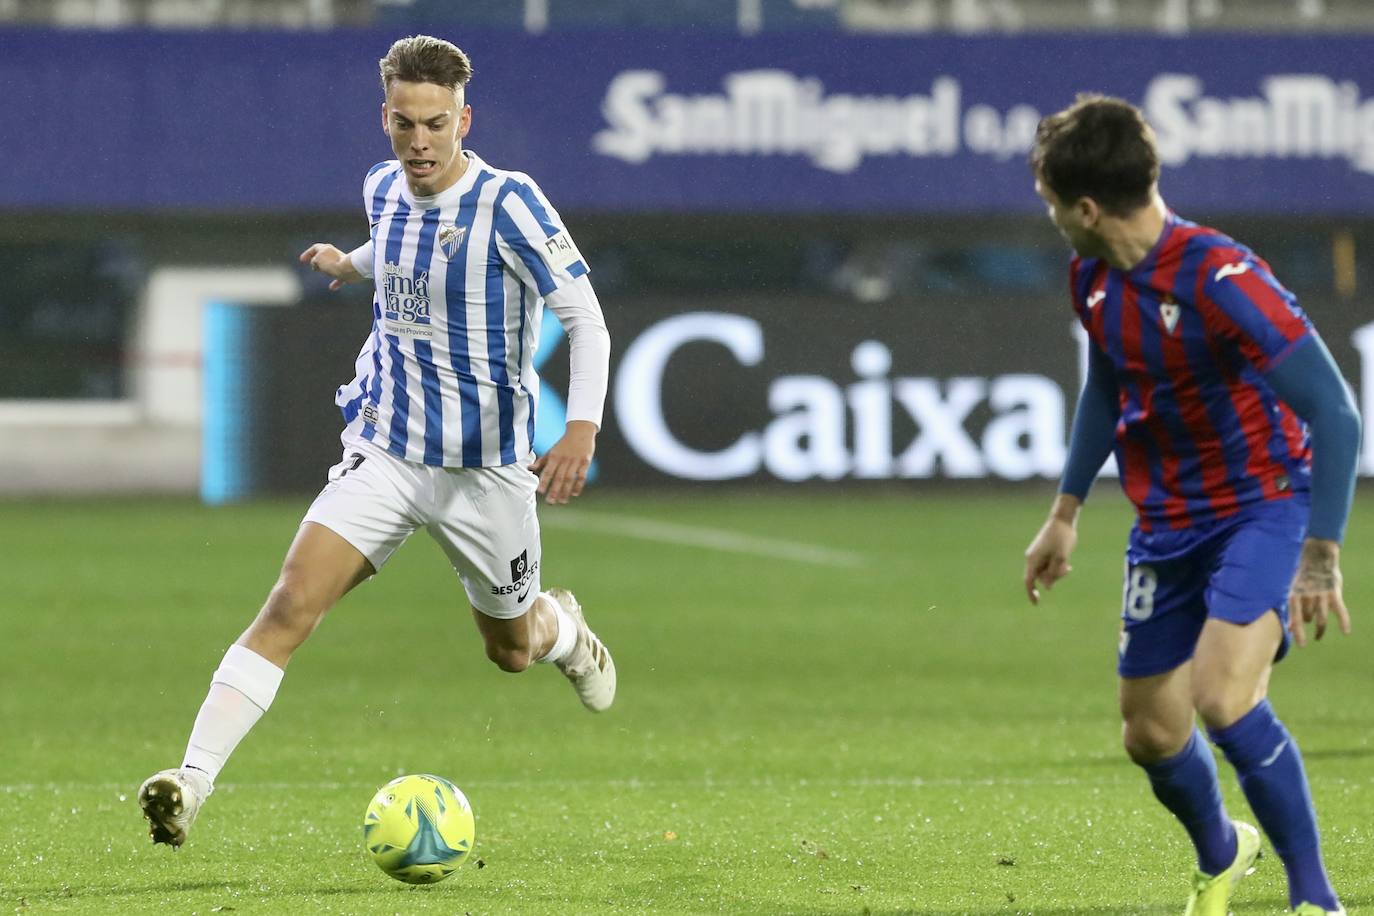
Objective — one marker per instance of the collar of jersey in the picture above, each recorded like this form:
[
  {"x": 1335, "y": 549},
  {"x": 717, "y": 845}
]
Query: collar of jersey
[
  {"x": 448, "y": 196},
  {"x": 1147, "y": 263}
]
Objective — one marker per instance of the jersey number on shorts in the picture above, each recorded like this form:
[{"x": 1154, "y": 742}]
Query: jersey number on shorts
[
  {"x": 357, "y": 463},
  {"x": 1138, "y": 598}
]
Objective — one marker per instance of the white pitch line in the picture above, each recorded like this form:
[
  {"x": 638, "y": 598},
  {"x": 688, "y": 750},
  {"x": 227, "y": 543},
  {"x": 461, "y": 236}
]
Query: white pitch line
[
  {"x": 648, "y": 529},
  {"x": 955, "y": 782},
  {"x": 129, "y": 791}
]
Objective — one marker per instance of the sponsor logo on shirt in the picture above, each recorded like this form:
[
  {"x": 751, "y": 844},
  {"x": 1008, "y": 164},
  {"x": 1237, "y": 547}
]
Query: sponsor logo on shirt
[
  {"x": 405, "y": 306},
  {"x": 1232, "y": 270}
]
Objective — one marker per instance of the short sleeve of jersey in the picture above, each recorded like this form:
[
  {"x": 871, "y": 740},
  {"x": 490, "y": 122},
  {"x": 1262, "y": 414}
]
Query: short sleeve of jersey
[
  {"x": 533, "y": 239},
  {"x": 1242, "y": 302}
]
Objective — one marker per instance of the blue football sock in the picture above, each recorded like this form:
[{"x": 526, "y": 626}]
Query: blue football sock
[
  {"x": 1187, "y": 785},
  {"x": 1272, "y": 777}
]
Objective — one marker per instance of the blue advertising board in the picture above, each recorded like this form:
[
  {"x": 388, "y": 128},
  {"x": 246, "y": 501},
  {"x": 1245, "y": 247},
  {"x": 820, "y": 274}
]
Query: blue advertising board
[{"x": 645, "y": 121}]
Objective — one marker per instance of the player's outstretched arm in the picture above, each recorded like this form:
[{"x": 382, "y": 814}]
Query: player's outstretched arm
[
  {"x": 332, "y": 262},
  {"x": 563, "y": 469},
  {"x": 1047, "y": 557}
]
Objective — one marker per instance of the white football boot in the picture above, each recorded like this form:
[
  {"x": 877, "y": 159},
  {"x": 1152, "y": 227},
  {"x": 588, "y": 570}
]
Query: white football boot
[
  {"x": 171, "y": 800},
  {"x": 588, "y": 664}
]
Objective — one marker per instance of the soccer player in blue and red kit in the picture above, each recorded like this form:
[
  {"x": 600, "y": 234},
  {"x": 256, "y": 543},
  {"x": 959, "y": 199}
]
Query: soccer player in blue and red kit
[{"x": 1237, "y": 440}]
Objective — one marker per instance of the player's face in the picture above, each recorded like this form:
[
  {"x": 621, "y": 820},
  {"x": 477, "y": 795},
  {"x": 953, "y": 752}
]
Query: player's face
[
  {"x": 427, "y": 124},
  {"x": 1075, "y": 221}
]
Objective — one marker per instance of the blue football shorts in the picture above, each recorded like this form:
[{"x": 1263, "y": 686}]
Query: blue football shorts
[{"x": 1236, "y": 569}]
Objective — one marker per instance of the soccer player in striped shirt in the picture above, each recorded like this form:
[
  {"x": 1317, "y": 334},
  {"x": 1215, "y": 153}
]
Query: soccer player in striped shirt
[
  {"x": 439, "y": 419},
  {"x": 1236, "y": 439}
]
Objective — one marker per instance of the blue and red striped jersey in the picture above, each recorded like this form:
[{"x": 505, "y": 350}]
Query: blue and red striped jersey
[{"x": 1190, "y": 330}]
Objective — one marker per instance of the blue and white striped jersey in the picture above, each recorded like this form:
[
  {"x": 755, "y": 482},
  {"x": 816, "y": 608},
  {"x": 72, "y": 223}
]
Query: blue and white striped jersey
[{"x": 447, "y": 375}]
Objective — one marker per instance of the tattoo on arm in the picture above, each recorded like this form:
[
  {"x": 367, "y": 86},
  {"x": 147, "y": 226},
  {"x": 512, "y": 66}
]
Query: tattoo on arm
[{"x": 1318, "y": 572}]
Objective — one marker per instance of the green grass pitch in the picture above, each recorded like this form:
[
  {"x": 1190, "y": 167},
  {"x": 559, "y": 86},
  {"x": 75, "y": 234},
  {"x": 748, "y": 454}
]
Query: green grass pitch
[{"x": 793, "y": 735}]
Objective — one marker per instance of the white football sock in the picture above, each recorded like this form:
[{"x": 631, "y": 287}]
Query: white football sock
[
  {"x": 240, "y": 692},
  {"x": 567, "y": 631}
]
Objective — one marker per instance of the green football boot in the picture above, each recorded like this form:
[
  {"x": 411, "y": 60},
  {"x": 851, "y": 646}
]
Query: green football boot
[
  {"x": 1311, "y": 909},
  {"x": 1212, "y": 893}
]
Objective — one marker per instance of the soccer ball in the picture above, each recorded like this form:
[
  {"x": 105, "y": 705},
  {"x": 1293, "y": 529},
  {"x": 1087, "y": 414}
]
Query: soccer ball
[{"x": 419, "y": 828}]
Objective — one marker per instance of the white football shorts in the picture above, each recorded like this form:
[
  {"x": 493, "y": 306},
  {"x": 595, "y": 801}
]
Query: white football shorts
[{"x": 483, "y": 518}]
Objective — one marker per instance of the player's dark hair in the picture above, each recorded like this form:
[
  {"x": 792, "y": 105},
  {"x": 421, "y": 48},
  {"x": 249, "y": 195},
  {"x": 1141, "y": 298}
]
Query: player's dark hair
[
  {"x": 1099, "y": 147},
  {"x": 425, "y": 59}
]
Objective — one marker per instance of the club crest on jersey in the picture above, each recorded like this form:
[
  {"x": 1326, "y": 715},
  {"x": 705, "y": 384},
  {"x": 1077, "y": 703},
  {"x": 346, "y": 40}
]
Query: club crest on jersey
[
  {"x": 451, "y": 239},
  {"x": 1168, "y": 313}
]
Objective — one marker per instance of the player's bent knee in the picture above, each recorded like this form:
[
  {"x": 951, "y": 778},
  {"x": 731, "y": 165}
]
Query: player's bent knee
[
  {"x": 512, "y": 659},
  {"x": 292, "y": 608},
  {"x": 1223, "y": 698},
  {"x": 1221, "y": 708},
  {"x": 1149, "y": 740}
]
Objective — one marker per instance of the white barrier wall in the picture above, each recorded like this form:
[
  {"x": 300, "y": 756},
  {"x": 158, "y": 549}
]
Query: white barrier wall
[{"x": 151, "y": 441}]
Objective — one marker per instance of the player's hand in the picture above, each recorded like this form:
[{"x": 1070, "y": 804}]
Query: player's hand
[
  {"x": 562, "y": 469},
  {"x": 331, "y": 262},
  {"x": 1316, "y": 591},
  {"x": 1047, "y": 557}
]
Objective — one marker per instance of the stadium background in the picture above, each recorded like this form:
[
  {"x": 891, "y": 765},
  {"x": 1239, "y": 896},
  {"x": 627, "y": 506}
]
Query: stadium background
[
  {"x": 847, "y": 178},
  {"x": 842, "y": 353}
]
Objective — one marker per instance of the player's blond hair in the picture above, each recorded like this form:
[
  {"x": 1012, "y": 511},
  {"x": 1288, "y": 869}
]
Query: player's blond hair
[{"x": 425, "y": 59}]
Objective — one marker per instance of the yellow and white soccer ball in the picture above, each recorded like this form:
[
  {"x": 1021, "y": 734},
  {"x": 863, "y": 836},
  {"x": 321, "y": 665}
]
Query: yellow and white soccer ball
[{"x": 419, "y": 828}]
